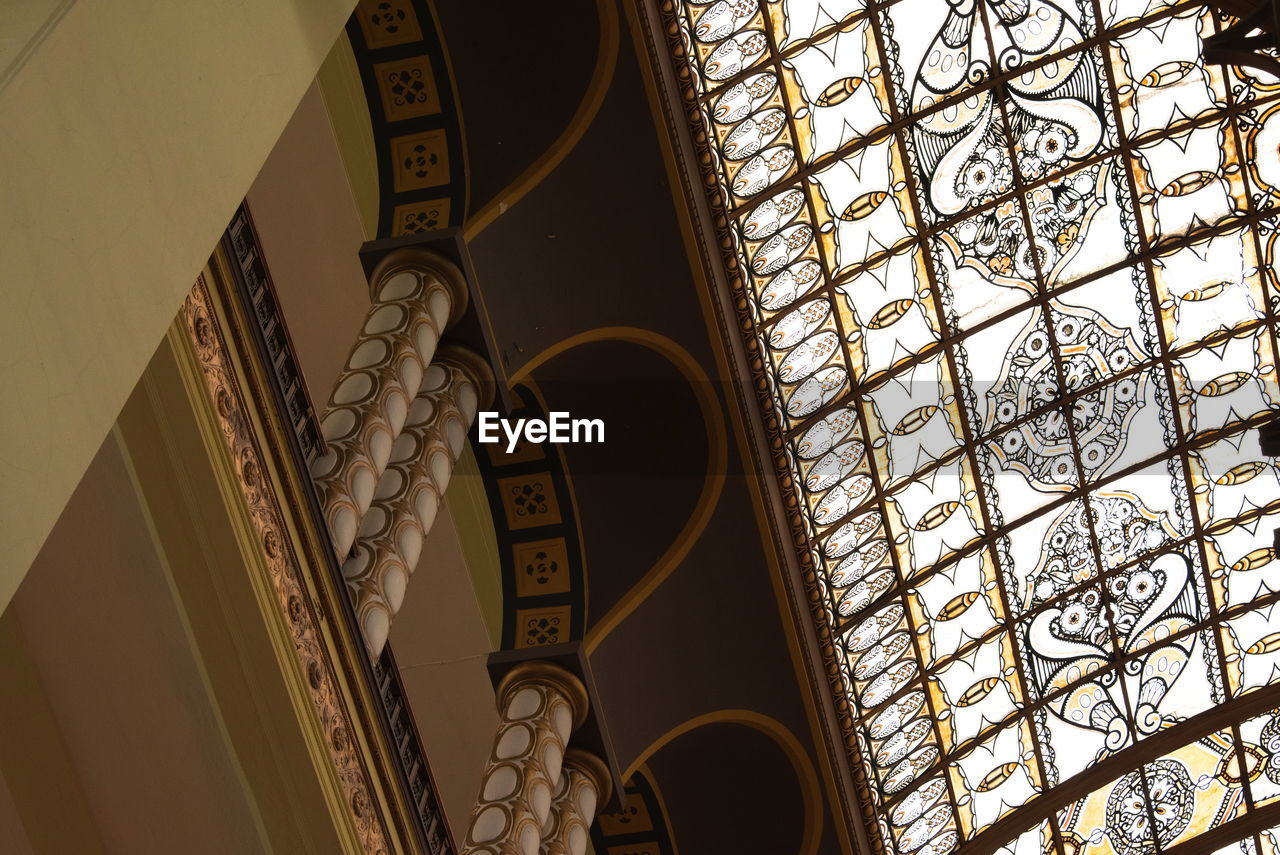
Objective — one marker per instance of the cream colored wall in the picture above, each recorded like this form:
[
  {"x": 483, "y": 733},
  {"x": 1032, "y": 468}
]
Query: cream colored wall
[
  {"x": 47, "y": 795},
  {"x": 440, "y": 642},
  {"x": 107, "y": 644},
  {"x": 305, "y": 214},
  {"x": 127, "y": 138},
  {"x": 348, "y": 109},
  {"x": 23, "y": 25},
  {"x": 468, "y": 503}
]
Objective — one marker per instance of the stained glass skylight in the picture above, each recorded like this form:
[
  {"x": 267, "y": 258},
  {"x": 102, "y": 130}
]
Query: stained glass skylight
[{"x": 1010, "y": 262}]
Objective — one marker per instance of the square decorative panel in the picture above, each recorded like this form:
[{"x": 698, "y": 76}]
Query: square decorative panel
[
  {"x": 529, "y": 501},
  {"x": 408, "y": 88},
  {"x": 636, "y": 849},
  {"x": 420, "y": 160},
  {"x": 421, "y": 217},
  {"x": 542, "y": 567},
  {"x": 388, "y": 22},
  {"x": 539, "y": 627},
  {"x": 632, "y": 819}
]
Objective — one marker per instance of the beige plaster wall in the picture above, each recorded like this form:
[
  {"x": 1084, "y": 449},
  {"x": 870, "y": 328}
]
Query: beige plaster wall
[
  {"x": 104, "y": 635},
  {"x": 305, "y": 214},
  {"x": 23, "y": 25},
  {"x": 344, "y": 100},
  {"x": 127, "y": 138},
  {"x": 13, "y": 837},
  {"x": 441, "y": 644}
]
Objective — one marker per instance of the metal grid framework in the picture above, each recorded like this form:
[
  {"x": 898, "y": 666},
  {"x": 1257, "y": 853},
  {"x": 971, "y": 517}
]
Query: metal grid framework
[{"x": 1010, "y": 264}]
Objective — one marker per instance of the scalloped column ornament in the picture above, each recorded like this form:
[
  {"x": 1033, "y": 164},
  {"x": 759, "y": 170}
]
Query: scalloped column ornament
[
  {"x": 541, "y": 705},
  {"x": 411, "y": 488},
  {"x": 416, "y": 295},
  {"x": 584, "y": 785}
]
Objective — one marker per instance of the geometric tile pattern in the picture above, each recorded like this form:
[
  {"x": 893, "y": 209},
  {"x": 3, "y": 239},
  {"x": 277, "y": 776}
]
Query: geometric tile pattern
[
  {"x": 638, "y": 827},
  {"x": 543, "y": 583},
  {"x": 421, "y": 171}
]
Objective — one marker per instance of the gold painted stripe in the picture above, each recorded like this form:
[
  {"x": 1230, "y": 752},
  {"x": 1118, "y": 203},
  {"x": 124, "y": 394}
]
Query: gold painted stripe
[
  {"x": 592, "y": 98},
  {"x": 806, "y": 774},
  {"x": 713, "y": 481}
]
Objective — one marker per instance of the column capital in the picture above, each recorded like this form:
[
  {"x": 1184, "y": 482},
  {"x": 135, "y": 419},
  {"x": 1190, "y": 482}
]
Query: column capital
[
  {"x": 593, "y": 734},
  {"x": 475, "y": 367},
  {"x": 546, "y": 673},
  {"x": 473, "y": 329},
  {"x": 426, "y": 261},
  {"x": 594, "y": 769}
]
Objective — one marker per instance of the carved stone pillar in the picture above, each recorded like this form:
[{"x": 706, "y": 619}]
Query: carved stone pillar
[
  {"x": 540, "y": 705},
  {"x": 584, "y": 785},
  {"x": 408, "y": 495},
  {"x": 416, "y": 294}
]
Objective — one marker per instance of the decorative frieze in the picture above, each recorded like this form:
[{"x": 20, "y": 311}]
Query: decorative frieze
[{"x": 283, "y": 565}]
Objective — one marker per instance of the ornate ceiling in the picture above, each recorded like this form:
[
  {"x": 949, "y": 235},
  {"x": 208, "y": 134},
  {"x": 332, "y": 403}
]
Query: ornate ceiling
[
  {"x": 1006, "y": 271},
  {"x": 1002, "y": 280}
]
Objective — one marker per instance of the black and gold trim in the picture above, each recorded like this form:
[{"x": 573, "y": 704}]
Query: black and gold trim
[
  {"x": 414, "y": 116},
  {"x": 543, "y": 583},
  {"x": 638, "y": 826}
]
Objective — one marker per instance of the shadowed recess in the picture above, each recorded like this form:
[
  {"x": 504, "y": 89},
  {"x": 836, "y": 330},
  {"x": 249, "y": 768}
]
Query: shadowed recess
[
  {"x": 552, "y": 266},
  {"x": 521, "y": 70},
  {"x": 649, "y": 408},
  {"x": 725, "y": 770}
]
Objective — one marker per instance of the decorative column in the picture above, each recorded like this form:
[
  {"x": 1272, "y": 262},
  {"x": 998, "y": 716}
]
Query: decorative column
[
  {"x": 416, "y": 294},
  {"x": 541, "y": 705},
  {"x": 584, "y": 785},
  {"x": 409, "y": 491}
]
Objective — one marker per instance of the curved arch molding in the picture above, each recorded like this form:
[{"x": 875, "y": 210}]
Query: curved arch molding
[
  {"x": 413, "y": 109},
  {"x": 592, "y": 98},
  {"x": 806, "y": 774},
  {"x": 547, "y": 603},
  {"x": 713, "y": 481},
  {"x": 417, "y": 122}
]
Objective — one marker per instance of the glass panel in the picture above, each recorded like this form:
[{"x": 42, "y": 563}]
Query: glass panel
[
  {"x": 1009, "y": 265},
  {"x": 1111, "y": 820},
  {"x": 1038, "y": 841},
  {"x": 1195, "y": 789}
]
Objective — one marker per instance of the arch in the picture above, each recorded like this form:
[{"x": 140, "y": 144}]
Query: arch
[
  {"x": 535, "y": 522},
  {"x": 592, "y": 98},
  {"x": 806, "y": 774},
  {"x": 717, "y": 457},
  {"x": 413, "y": 112}
]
